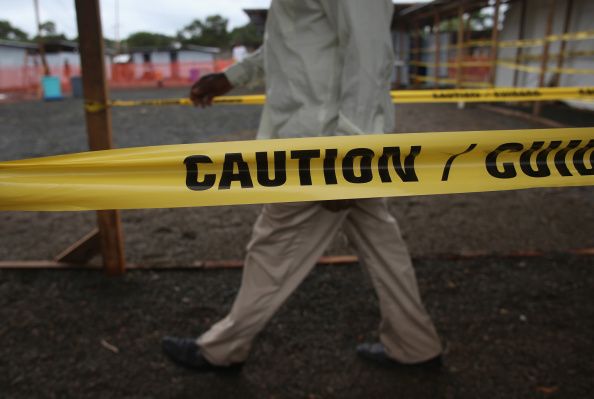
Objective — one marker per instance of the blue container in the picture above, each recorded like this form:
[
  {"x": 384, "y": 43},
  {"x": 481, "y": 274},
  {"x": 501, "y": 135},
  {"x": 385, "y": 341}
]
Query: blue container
[
  {"x": 51, "y": 88},
  {"x": 77, "y": 88}
]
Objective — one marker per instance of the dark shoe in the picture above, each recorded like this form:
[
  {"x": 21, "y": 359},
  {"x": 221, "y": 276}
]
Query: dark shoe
[
  {"x": 376, "y": 352},
  {"x": 186, "y": 353}
]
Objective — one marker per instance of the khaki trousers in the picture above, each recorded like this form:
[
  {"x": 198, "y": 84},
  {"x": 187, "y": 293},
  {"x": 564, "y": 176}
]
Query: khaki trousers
[{"x": 287, "y": 241}]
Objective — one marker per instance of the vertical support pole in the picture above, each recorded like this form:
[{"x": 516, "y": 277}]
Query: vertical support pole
[
  {"x": 545, "y": 54},
  {"x": 417, "y": 55},
  {"x": 437, "y": 35},
  {"x": 521, "y": 33},
  {"x": 88, "y": 19},
  {"x": 494, "y": 44},
  {"x": 40, "y": 42},
  {"x": 401, "y": 33},
  {"x": 459, "y": 46},
  {"x": 561, "y": 58}
]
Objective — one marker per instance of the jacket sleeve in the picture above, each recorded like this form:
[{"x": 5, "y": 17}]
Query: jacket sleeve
[
  {"x": 248, "y": 70},
  {"x": 365, "y": 45}
]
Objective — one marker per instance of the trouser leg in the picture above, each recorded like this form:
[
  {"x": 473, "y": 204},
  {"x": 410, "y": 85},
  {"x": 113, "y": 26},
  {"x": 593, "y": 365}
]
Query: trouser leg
[
  {"x": 287, "y": 240},
  {"x": 406, "y": 329}
]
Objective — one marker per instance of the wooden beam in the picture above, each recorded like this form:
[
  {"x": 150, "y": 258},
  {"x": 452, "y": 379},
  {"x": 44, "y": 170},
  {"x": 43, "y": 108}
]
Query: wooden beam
[
  {"x": 437, "y": 35},
  {"x": 417, "y": 56},
  {"x": 41, "y": 264},
  {"x": 40, "y": 41},
  {"x": 561, "y": 58},
  {"x": 83, "y": 250},
  {"x": 99, "y": 123},
  {"x": 545, "y": 54},
  {"x": 400, "y": 71},
  {"x": 237, "y": 264},
  {"x": 494, "y": 43},
  {"x": 459, "y": 46},
  {"x": 521, "y": 33}
]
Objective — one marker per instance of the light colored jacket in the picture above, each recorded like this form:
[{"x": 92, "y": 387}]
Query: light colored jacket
[{"x": 327, "y": 67}]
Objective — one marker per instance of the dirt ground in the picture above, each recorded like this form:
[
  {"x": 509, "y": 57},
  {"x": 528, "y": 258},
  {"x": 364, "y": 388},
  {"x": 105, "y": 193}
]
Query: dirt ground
[{"x": 515, "y": 327}]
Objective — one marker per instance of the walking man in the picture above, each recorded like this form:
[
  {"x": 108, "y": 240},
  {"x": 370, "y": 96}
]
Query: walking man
[{"x": 327, "y": 66}]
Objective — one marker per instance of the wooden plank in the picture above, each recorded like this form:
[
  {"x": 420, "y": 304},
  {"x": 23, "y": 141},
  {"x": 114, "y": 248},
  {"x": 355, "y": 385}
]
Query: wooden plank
[
  {"x": 561, "y": 58},
  {"x": 494, "y": 43},
  {"x": 459, "y": 47},
  {"x": 41, "y": 264},
  {"x": 521, "y": 33},
  {"x": 417, "y": 55},
  {"x": 40, "y": 41},
  {"x": 83, "y": 250},
  {"x": 400, "y": 72},
  {"x": 545, "y": 54},
  {"x": 436, "y": 33},
  {"x": 99, "y": 123},
  {"x": 237, "y": 264}
]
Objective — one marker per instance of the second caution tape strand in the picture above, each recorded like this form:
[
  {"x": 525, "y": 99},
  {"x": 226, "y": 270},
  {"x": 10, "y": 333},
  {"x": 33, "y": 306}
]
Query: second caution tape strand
[{"x": 399, "y": 96}]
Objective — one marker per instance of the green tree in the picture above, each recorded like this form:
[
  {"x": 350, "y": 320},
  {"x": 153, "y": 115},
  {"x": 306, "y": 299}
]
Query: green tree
[
  {"x": 9, "y": 32},
  {"x": 49, "y": 32},
  {"x": 148, "y": 39},
  {"x": 47, "y": 28},
  {"x": 210, "y": 32},
  {"x": 247, "y": 35}
]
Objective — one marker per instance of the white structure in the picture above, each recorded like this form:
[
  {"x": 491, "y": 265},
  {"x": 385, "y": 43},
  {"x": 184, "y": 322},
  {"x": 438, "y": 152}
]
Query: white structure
[{"x": 581, "y": 19}]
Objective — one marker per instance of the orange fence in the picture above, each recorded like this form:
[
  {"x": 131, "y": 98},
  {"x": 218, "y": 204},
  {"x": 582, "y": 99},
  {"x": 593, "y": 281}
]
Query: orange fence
[
  {"x": 25, "y": 80},
  {"x": 163, "y": 74}
]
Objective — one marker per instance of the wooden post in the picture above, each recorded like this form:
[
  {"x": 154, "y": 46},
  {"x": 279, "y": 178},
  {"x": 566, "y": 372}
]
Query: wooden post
[
  {"x": 399, "y": 75},
  {"x": 459, "y": 46},
  {"x": 99, "y": 123},
  {"x": 545, "y": 54},
  {"x": 417, "y": 55},
  {"x": 494, "y": 44},
  {"x": 40, "y": 43},
  {"x": 437, "y": 35},
  {"x": 561, "y": 58},
  {"x": 520, "y": 49}
]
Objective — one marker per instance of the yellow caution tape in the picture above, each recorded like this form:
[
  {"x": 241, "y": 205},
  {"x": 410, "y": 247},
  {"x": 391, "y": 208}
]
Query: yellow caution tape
[
  {"x": 397, "y": 99},
  {"x": 254, "y": 99},
  {"x": 400, "y": 96},
  {"x": 453, "y": 64},
  {"x": 552, "y": 57},
  {"x": 303, "y": 169},
  {"x": 508, "y": 64},
  {"x": 572, "y": 36},
  {"x": 533, "y": 69},
  {"x": 493, "y": 95}
]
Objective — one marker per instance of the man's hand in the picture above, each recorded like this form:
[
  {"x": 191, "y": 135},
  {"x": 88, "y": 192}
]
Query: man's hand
[
  {"x": 209, "y": 86},
  {"x": 337, "y": 205}
]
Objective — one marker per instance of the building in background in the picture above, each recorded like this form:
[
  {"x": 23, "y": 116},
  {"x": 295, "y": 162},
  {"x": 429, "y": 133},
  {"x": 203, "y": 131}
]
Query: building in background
[
  {"x": 21, "y": 68},
  {"x": 165, "y": 66}
]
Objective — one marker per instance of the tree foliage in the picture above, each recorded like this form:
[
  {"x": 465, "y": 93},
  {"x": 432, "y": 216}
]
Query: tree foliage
[
  {"x": 247, "y": 35},
  {"x": 148, "y": 39},
  {"x": 210, "y": 32},
  {"x": 9, "y": 32},
  {"x": 49, "y": 32}
]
